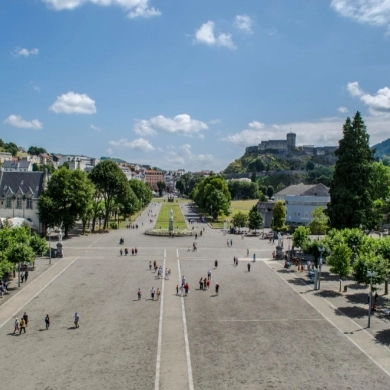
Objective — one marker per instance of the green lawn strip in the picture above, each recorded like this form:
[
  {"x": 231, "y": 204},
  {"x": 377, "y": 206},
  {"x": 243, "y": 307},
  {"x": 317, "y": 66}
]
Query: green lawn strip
[
  {"x": 163, "y": 217},
  {"x": 176, "y": 200},
  {"x": 242, "y": 205}
]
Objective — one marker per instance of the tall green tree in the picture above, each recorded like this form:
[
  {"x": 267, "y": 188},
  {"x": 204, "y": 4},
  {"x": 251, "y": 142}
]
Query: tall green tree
[
  {"x": 110, "y": 182},
  {"x": 300, "y": 237},
  {"x": 240, "y": 219},
  {"x": 255, "y": 220},
  {"x": 320, "y": 221},
  {"x": 270, "y": 191},
  {"x": 65, "y": 199},
  {"x": 142, "y": 191},
  {"x": 340, "y": 261},
  {"x": 218, "y": 204},
  {"x": 161, "y": 187},
  {"x": 279, "y": 215},
  {"x": 351, "y": 203}
]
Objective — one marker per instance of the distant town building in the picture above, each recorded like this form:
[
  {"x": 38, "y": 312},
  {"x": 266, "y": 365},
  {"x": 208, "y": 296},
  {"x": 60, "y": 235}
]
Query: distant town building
[
  {"x": 5, "y": 156},
  {"x": 17, "y": 166},
  {"x": 289, "y": 146},
  {"x": 19, "y": 192},
  {"x": 152, "y": 177}
]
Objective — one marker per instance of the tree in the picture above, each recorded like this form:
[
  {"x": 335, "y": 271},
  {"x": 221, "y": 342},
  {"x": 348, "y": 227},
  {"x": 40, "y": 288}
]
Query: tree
[
  {"x": 370, "y": 261},
  {"x": 218, "y": 204},
  {"x": 38, "y": 244},
  {"x": 351, "y": 202},
  {"x": 110, "y": 181},
  {"x": 380, "y": 181},
  {"x": 270, "y": 191},
  {"x": 36, "y": 151},
  {"x": 279, "y": 215},
  {"x": 161, "y": 187},
  {"x": 340, "y": 261},
  {"x": 310, "y": 165},
  {"x": 240, "y": 220},
  {"x": 255, "y": 220},
  {"x": 65, "y": 199},
  {"x": 143, "y": 193},
  {"x": 11, "y": 148},
  {"x": 300, "y": 236},
  {"x": 319, "y": 223},
  {"x": 313, "y": 248}
]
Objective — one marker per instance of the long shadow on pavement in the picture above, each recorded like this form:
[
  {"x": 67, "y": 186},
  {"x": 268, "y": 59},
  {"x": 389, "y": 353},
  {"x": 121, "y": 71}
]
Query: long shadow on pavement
[
  {"x": 355, "y": 286},
  {"x": 357, "y": 298},
  {"x": 328, "y": 294},
  {"x": 352, "y": 312}
]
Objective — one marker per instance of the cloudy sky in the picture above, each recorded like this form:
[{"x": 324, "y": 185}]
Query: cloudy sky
[{"x": 190, "y": 84}]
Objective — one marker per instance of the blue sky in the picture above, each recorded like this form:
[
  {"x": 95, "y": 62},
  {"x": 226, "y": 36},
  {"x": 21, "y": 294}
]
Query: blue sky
[{"x": 189, "y": 84}]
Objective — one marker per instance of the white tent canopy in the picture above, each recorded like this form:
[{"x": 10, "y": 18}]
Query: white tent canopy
[{"x": 16, "y": 222}]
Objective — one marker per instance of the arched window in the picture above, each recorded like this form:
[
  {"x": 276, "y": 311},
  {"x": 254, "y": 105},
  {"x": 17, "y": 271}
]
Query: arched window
[{"x": 18, "y": 203}]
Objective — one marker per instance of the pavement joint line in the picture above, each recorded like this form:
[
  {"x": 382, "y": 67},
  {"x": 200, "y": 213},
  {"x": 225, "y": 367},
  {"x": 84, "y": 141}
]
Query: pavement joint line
[
  {"x": 37, "y": 293},
  {"x": 160, "y": 326},
  {"x": 336, "y": 308},
  {"x": 96, "y": 240},
  {"x": 189, "y": 367},
  {"x": 274, "y": 320},
  {"x": 332, "y": 323}
]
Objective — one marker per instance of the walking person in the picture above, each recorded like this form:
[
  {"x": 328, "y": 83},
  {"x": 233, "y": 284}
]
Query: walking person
[
  {"x": 215, "y": 264},
  {"x": 47, "y": 321},
  {"x": 16, "y": 326},
  {"x": 135, "y": 251},
  {"x": 121, "y": 251},
  {"x": 22, "y": 326},
  {"x": 132, "y": 251},
  {"x": 139, "y": 293},
  {"x": 158, "y": 293},
  {"x": 231, "y": 242},
  {"x": 150, "y": 265},
  {"x": 25, "y": 317},
  {"x": 209, "y": 274},
  {"x": 208, "y": 283},
  {"x": 152, "y": 292},
  {"x": 22, "y": 277},
  {"x": 177, "y": 289},
  {"x": 26, "y": 274},
  {"x": 247, "y": 253},
  {"x": 201, "y": 284},
  {"x": 76, "y": 319},
  {"x": 249, "y": 267},
  {"x": 126, "y": 251},
  {"x": 187, "y": 288},
  {"x": 254, "y": 257},
  {"x": 216, "y": 288}
]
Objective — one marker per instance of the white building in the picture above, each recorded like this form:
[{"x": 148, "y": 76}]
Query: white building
[
  {"x": 19, "y": 192},
  {"x": 17, "y": 166},
  {"x": 301, "y": 200},
  {"x": 5, "y": 156}
]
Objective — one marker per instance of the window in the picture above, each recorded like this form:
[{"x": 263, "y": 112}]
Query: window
[
  {"x": 8, "y": 204},
  {"x": 18, "y": 203},
  {"x": 28, "y": 203}
]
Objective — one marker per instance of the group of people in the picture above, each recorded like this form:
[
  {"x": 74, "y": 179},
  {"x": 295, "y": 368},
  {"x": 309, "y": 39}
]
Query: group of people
[
  {"x": 134, "y": 251},
  {"x": 132, "y": 226},
  {"x": 3, "y": 287},
  {"x": 20, "y": 326}
]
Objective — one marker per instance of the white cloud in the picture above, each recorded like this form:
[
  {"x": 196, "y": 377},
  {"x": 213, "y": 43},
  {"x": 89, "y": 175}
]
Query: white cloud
[
  {"x": 22, "y": 52},
  {"x": 244, "y": 22},
  {"x": 206, "y": 35},
  {"x": 180, "y": 124},
  {"x": 139, "y": 144},
  {"x": 256, "y": 125},
  {"x": 144, "y": 127},
  {"x": 215, "y": 121},
  {"x": 321, "y": 132},
  {"x": 18, "y": 121},
  {"x": 135, "y": 8},
  {"x": 183, "y": 156},
  {"x": 378, "y": 104},
  {"x": 36, "y": 88},
  {"x": 354, "y": 89},
  {"x": 372, "y": 12},
  {"x": 93, "y": 127},
  {"x": 343, "y": 110},
  {"x": 250, "y": 136},
  {"x": 74, "y": 103}
]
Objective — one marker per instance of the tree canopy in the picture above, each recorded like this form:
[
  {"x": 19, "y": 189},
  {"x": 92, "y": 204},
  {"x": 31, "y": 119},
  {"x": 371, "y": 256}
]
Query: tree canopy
[
  {"x": 351, "y": 203},
  {"x": 240, "y": 220},
  {"x": 279, "y": 215},
  {"x": 255, "y": 220}
]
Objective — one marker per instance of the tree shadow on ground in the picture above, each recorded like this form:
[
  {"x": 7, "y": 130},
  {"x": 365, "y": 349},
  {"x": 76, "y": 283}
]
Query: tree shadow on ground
[
  {"x": 297, "y": 281},
  {"x": 357, "y": 298},
  {"x": 383, "y": 337},
  {"x": 284, "y": 271},
  {"x": 327, "y": 276},
  {"x": 328, "y": 294},
  {"x": 351, "y": 311},
  {"x": 355, "y": 286}
]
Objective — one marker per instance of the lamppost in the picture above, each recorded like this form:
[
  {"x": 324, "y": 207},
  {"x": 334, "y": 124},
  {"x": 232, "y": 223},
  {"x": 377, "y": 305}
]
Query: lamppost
[
  {"x": 49, "y": 233},
  {"x": 320, "y": 267},
  {"x": 370, "y": 274}
]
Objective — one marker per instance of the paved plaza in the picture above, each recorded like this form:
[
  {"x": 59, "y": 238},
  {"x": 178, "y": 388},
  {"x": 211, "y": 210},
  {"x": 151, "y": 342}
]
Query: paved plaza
[{"x": 266, "y": 329}]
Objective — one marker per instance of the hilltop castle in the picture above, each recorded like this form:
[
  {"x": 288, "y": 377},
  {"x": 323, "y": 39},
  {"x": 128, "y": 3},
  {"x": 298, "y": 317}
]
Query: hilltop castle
[{"x": 289, "y": 145}]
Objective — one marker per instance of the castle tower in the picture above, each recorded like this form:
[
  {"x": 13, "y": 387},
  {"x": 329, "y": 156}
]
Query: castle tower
[{"x": 291, "y": 138}]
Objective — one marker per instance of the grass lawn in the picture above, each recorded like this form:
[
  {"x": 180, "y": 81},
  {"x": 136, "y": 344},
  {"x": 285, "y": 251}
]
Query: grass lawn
[
  {"x": 236, "y": 205},
  {"x": 163, "y": 218},
  {"x": 177, "y": 200}
]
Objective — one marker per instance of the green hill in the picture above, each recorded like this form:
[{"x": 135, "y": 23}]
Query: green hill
[{"x": 382, "y": 149}]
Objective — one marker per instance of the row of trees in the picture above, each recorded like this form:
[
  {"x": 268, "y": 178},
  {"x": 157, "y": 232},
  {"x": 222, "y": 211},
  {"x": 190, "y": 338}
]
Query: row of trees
[
  {"x": 349, "y": 252},
  {"x": 17, "y": 246},
  {"x": 72, "y": 195}
]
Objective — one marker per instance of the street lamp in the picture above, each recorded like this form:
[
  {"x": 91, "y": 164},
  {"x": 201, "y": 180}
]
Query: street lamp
[
  {"x": 320, "y": 267},
  {"x": 49, "y": 233},
  {"x": 370, "y": 274}
]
